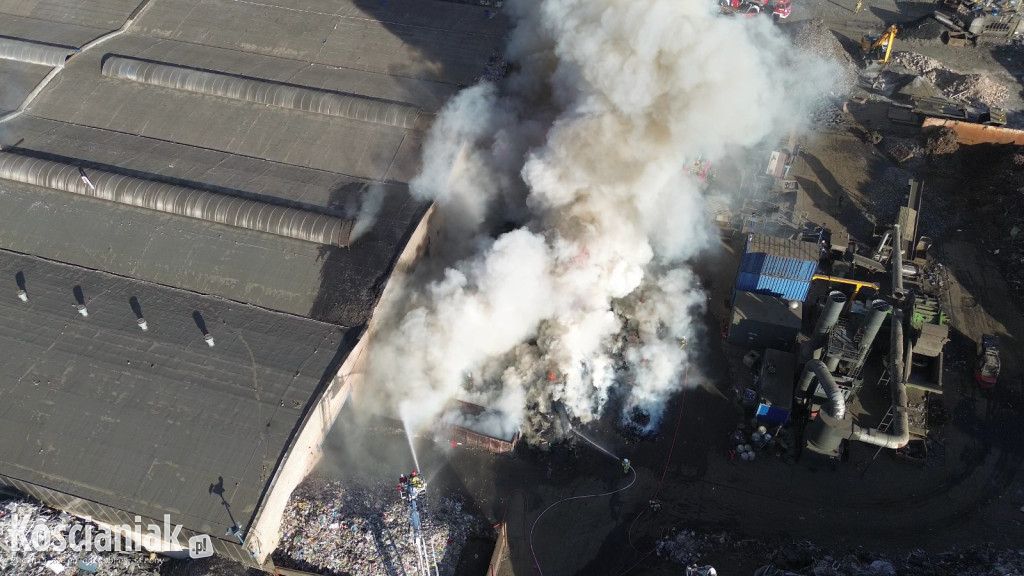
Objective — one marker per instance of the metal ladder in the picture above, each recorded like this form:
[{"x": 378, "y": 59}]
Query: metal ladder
[{"x": 886, "y": 422}]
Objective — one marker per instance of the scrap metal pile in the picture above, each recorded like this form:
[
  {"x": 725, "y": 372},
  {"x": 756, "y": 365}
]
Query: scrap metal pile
[
  {"x": 978, "y": 89},
  {"x": 19, "y": 518},
  {"x": 364, "y": 530},
  {"x": 687, "y": 547}
]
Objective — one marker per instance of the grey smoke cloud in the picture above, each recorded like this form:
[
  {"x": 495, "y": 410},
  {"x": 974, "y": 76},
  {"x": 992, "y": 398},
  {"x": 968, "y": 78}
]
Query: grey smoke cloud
[
  {"x": 582, "y": 154},
  {"x": 369, "y": 208}
]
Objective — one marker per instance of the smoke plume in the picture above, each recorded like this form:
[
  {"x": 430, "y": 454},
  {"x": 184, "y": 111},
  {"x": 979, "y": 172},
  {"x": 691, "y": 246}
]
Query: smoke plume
[
  {"x": 366, "y": 217},
  {"x": 568, "y": 217}
]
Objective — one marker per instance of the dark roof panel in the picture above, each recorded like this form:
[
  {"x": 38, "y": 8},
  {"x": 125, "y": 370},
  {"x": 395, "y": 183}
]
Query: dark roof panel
[{"x": 146, "y": 421}]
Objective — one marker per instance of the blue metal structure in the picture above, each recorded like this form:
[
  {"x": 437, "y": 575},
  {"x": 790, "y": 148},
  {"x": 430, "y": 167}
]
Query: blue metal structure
[{"x": 787, "y": 288}]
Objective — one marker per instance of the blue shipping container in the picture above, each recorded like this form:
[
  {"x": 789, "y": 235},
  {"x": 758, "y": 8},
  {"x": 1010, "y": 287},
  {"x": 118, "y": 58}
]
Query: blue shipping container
[
  {"x": 787, "y": 288},
  {"x": 761, "y": 264}
]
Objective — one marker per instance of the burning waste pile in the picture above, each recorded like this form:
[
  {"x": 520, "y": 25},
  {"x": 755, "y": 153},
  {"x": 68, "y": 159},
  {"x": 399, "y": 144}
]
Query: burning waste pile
[
  {"x": 36, "y": 540},
  {"x": 365, "y": 530},
  {"x": 567, "y": 220}
]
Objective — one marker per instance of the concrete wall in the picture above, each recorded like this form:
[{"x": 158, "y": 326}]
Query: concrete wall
[{"x": 264, "y": 535}]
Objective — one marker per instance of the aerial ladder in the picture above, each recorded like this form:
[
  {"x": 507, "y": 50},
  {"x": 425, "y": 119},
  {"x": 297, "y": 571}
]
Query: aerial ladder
[{"x": 411, "y": 489}]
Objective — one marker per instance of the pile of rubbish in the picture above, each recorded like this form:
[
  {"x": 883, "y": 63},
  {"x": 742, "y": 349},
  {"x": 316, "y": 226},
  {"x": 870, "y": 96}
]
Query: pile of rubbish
[
  {"x": 688, "y": 547},
  {"x": 365, "y": 530},
  {"x": 18, "y": 555},
  {"x": 814, "y": 37},
  {"x": 974, "y": 89},
  {"x": 917, "y": 563},
  {"x": 886, "y": 194}
]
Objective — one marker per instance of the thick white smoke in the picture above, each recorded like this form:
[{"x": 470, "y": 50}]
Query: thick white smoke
[{"x": 568, "y": 215}]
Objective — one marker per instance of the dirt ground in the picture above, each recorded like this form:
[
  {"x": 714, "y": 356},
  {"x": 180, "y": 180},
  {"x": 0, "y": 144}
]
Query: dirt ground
[{"x": 573, "y": 511}]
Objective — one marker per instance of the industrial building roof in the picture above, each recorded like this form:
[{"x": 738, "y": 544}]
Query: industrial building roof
[
  {"x": 783, "y": 247},
  {"x": 413, "y": 53},
  {"x": 777, "y": 378},
  {"x": 148, "y": 421},
  {"x": 767, "y": 309}
]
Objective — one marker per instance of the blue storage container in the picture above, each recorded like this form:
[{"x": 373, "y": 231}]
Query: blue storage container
[{"x": 787, "y": 288}]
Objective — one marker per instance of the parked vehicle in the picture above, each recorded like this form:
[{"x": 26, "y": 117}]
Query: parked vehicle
[{"x": 987, "y": 370}]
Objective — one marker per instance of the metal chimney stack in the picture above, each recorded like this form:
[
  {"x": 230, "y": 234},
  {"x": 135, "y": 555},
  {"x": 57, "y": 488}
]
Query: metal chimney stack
[
  {"x": 829, "y": 316},
  {"x": 872, "y": 324},
  {"x": 209, "y": 340},
  {"x": 22, "y": 295},
  {"x": 83, "y": 310},
  {"x": 143, "y": 325}
]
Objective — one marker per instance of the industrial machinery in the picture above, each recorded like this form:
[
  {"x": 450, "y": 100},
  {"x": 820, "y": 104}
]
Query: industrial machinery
[
  {"x": 412, "y": 488},
  {"x": 942, "y": 108},
  {"x": 987, "y": 370},
  {"x": 749, "y": 8},
  {"x": 878, "y": 48}
]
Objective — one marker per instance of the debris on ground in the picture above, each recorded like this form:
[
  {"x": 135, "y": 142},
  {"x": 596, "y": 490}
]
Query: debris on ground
[
  {"x": 804, "y": 558},
  {"x": 815, "y": 37},
  {"x": 364, "y": 530},
  {"x": 19, "y": 518},
  {"x": 973, "y": 89}
]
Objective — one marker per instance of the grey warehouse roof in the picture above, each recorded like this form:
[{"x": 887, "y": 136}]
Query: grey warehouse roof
[
  {"x": 279, "y": 102},
  {"x": 316, "y": 109},
  {"x": 147, "y": 421},
  {"x": 783, "y": 247}
]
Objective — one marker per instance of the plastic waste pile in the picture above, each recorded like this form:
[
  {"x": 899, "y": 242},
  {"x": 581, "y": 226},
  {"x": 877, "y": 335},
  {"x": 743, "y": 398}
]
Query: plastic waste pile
[
  {"x": 19, "y": 555},
  {"x": 365, "y": 531}
]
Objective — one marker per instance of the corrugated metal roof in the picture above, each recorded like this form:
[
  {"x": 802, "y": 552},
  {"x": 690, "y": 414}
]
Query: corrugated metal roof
[
  {"x": 770, "y": 265},
  {"x": 787, "y": 288},
  {"x": 782, "y": 247}
]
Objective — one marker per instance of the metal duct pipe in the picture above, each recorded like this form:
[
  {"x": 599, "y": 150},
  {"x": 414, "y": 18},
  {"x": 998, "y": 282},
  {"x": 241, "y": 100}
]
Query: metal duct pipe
[
  {"x": 34, "y": 52},
  {"x": 899, "y": 434},
  {"x": 817, "y": 368},
  {"x": 872, "y": 324},
  {"x": 897, "y": 263},
  {"x": 832, "y": 361},
  {"x": 351, "y": 106},
  {"x": 829, "y": 316},
  {"x": 169, "y": 198}
]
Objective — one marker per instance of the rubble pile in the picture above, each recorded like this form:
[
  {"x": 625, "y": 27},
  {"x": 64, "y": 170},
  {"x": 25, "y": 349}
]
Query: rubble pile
[
  {"x": 815, "y": 37},
  {"x": 905, "y": 151},
  {"x": 364, "y": 530},
  {"x": 18, "y": 518},
  {"x": 990, "y": 202},
  {"x": 886, "y": 195},
  {"x": 828, "y": 115},
  {"x": 917, "y": 563},
  {"x": 806, "y": 559},
  {"x": 973, "y": 89}
]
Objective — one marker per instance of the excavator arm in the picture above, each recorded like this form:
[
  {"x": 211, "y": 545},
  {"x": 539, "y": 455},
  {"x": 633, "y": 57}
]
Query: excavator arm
[{"x": 882, "y": 46}]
